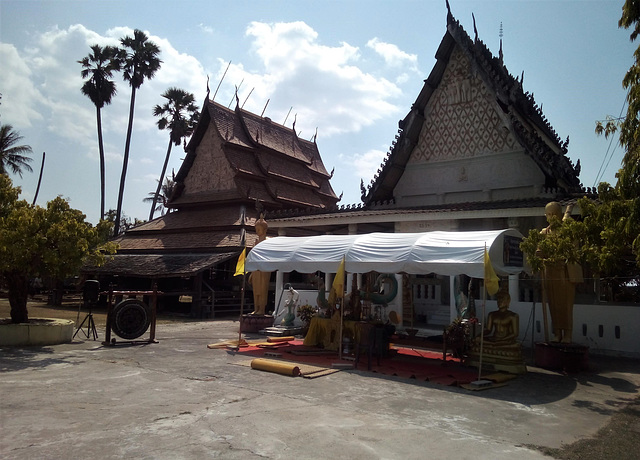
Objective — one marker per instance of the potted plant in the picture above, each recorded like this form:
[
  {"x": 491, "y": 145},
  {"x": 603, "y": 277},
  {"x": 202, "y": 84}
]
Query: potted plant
[{"x": 305, "y": 313}]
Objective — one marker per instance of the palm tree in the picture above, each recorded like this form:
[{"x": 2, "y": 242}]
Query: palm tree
[
  {"x": 179, "y": 115},
  {"x": 100, "y": 65},
  {"x": 13, "y": 156},
  {"x": 161, "y": 199},
  {"x": 139, "y": 62}
]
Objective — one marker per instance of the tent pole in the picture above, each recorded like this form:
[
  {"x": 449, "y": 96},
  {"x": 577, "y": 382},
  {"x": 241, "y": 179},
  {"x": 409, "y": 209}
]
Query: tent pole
[
  {"x": 341, "y": 316},
  {"x": 484, "y": 303},
  {"x": 241, "y": 308}
]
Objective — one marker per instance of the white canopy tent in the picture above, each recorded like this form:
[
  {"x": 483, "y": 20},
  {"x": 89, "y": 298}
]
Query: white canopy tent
[{"x": 444, "y": 253}]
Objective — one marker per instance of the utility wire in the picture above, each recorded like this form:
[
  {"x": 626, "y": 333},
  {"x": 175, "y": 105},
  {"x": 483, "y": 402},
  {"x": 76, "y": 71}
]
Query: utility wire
[{"x": 609, "y": 153}]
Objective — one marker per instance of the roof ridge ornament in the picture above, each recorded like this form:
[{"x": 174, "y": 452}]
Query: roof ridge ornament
[
  {"x": 475, "y": 29},
  {"x": 501, "y": 55},
  {"x": 450, "y": 19}
]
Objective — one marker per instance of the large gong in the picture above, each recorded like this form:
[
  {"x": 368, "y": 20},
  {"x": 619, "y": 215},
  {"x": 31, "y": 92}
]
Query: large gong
[{"x": 131, "y": 319}]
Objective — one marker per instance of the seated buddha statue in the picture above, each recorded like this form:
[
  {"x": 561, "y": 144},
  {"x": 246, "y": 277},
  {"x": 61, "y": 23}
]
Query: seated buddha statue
[{"x": 500, "y": 347}]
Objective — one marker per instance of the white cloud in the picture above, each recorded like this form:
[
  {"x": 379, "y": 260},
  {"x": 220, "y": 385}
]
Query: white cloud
[
  {"x": 366, "y": 164},
  {"x": 205, "y": 28},
  {"x": 323, "y": 83},
  {"x": 393, "y": 55},
  {"x": 19, "y": 95}
]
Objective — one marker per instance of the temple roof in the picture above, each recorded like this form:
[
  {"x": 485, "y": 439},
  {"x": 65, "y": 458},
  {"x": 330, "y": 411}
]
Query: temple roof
[
  {"x": 271, "y": 164},
  {"x": 527, "y": 122}
]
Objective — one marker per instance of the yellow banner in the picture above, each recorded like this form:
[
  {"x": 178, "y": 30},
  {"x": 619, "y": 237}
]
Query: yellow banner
[{"x": 240, "y": 264}]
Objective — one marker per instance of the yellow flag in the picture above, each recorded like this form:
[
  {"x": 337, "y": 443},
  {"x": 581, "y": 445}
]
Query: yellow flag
[
  {"x": 491, "y": 280},
  {"x": 240, "y": 264},
  {"x": 337, "y": 288}
]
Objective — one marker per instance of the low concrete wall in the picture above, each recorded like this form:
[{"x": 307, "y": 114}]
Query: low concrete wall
[
  {"x": 606, "y": 329},
  {"x": 38, "y": 331}
]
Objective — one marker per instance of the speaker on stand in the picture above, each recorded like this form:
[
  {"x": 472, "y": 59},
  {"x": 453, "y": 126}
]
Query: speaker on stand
[{"x": 90, "y": 295}]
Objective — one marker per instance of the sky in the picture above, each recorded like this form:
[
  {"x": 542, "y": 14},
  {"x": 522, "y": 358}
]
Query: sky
[{"x": 350, "y": 69}]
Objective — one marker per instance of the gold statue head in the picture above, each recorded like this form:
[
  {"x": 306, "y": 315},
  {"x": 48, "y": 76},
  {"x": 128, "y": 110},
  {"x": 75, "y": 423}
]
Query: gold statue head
[
  {"x": 553, "y": 209},
  {"x": 503, "y": 298}
]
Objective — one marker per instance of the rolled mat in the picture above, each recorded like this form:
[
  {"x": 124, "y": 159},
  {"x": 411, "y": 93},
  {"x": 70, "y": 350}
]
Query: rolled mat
[
  {"x": 278, "y": 367},
  {"x": 280, "y": 339}
]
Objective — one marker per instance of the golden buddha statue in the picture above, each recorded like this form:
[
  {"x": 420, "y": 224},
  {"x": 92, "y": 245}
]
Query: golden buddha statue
[
  {"x": 258, "y": 280},
  {"x": 560, "y": 280},
  {"x": 499, "y": 346}
]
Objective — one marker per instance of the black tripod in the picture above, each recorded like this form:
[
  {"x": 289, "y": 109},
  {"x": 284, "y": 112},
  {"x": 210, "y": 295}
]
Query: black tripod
[{"x": 90, "y": 294}]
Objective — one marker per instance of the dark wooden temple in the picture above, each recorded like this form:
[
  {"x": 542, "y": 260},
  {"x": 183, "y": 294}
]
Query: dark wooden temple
[{"x": 238, "y": 165}]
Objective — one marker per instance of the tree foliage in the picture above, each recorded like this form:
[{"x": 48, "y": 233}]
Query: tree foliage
[
  {"x": 161, "y": 199},
  {"x": 618, "y": 213},
  {"x": 99, "y": 66},
  {"x": 44, "y": 242},
  {"x": 139, "y": 62},
  {"x": 13, "y": 157},
  {"x": 179, "y": 114}
]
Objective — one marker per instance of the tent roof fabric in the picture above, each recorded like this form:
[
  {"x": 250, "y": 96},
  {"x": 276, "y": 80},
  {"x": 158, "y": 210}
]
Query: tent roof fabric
[{"x": 444, "y": 253}]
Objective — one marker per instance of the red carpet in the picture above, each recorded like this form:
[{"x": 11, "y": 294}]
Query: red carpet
[{"x": 421, "y": 365}]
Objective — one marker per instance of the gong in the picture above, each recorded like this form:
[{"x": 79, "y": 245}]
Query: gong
[{"x": 131, "y": 319}]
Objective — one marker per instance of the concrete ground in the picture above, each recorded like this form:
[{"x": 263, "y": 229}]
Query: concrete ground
[{"x": 177, "y": 399}]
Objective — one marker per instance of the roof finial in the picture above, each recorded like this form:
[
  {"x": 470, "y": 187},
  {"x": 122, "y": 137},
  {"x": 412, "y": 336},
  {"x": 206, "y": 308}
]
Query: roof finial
[
  {"x": 218, "y": 87},
  {"x": 449, "y": 15},
  {"x": 475, "y": 29},
  {"x": 265, "y": 107},
  {"x": 287, "y": 117},
  {"x": 501, "y": 35}
]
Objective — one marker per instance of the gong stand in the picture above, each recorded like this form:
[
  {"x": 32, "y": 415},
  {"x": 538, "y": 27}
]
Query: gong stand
[{"x": 152, "y": 325}]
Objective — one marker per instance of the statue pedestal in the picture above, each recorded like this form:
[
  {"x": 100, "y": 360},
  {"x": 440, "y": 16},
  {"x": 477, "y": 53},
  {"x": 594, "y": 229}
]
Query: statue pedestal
[
  {"x": 567, "y": 357},
  {"x": 255, "y": 323},
  {"x": 510, "y": 361}
]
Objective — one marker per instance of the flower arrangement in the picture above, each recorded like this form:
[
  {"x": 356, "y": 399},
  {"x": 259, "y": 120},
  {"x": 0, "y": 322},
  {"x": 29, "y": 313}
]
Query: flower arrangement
[{"x": 305, "y": 313}]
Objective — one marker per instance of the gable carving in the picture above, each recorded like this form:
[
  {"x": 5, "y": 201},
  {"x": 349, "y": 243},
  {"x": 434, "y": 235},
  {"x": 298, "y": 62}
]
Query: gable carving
[
  {"x": 461, "y": 119},
  {"x": 211, "y": 170}
]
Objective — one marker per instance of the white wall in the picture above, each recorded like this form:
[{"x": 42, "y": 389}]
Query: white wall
[{"x": 594, "y": 326}]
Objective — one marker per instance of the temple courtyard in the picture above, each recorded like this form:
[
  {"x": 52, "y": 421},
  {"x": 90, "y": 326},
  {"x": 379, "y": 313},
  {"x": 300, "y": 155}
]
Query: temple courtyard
[{"x": 179, "y": 399}]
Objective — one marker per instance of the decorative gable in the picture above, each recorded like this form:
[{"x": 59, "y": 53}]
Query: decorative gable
[
  {"x": 211, "y": 171},
  {"x": 472, "y": 135},
  {"x": 461, "y": 118}
]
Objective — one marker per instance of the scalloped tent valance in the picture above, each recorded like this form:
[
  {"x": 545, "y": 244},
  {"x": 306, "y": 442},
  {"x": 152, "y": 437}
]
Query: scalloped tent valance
[{"x": 444, "y": 253}]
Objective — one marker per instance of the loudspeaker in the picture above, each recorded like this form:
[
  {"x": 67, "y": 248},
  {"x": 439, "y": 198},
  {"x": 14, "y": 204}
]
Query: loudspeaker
[{"x": 91, "y": 291}]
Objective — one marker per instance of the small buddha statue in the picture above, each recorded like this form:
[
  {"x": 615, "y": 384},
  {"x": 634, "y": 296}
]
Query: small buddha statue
[{"x": 499, "y": 346}]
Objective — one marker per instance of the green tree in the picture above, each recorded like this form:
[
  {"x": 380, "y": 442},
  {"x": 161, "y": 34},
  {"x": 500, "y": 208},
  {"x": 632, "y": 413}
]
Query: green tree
[
  {"x": 35, "y": 241},
  {"x": 623, "y": 201},
  {"x": 125, "y": 222},
  {"x": 606, "y": 238},
  {"x": 12, "y": 156},
  {"x": 99, "y": 66},
  {"x": 179, "y": 115},
  {"x": 161, "y": 199},
  {"x": 140, "y": 62}
]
